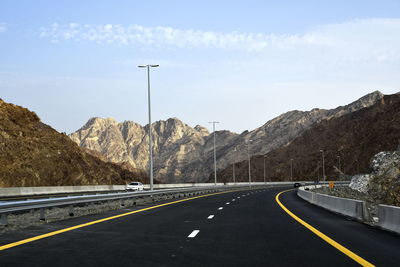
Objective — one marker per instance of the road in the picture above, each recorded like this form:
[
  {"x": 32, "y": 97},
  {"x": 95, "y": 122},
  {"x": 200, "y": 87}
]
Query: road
[{"x": 246, "y": 228}]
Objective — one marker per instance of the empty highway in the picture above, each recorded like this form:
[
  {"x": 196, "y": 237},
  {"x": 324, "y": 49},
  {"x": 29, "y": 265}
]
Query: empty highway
[{"x": 242, "y": 228}]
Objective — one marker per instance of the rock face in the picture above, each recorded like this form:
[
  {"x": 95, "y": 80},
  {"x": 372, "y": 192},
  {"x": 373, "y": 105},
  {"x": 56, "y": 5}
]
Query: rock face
[
  {"x": 34, "y": 154},
  {"x": 352, "y": 138},
  {"x": 384, "y": 185},
  {"x": 185, "y": 154}
]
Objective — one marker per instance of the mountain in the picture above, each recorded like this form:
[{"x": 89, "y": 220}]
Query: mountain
[
  {"x": 34, "y": 154},
  {"x": 283, "y": 129},
  {"x": 355, "y": 137},
  {"x": 185, "y": 154},
  {"x": 176, "y": 145}
]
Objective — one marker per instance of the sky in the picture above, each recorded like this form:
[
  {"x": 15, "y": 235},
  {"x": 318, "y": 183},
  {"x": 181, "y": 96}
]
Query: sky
[{"x": 241, "y": 63}]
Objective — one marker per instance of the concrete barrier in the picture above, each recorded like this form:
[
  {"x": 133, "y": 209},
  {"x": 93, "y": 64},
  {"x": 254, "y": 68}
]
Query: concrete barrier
[
  {"x": 306, "y": 195},
  {"x": 349, "y": 207},
  {"x": 389, "y": 218},
  {"x": 42, "y": 190}
]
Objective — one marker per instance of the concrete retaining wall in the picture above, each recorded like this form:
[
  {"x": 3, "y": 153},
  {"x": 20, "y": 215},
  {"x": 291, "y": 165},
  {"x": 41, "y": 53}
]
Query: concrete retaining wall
[
  {"x": 389, "y": 218},
  {"x": 349, "y": 207}
]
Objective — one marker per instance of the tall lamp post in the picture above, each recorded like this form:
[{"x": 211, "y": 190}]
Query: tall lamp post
[
  {"x": 291, "y": 170},
  {"x": 215, "y": 154},
  {"x": 323, "y": 164},
  {"x": 265, "y": 172},
  {"x": 233, "y": 167},
  {"x": 338, "y": 163},
  {"x": 148, "y": 66},
  {"x": 248, "y": 153}
]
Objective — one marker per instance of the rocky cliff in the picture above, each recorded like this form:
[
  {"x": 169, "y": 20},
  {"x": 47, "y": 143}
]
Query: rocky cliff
[
  {"x": 34, "y": 154},
  {"x": 185, "y": 154}
]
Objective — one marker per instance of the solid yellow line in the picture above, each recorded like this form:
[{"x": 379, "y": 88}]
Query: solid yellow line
[
  {"x": 28, "y": 240},
  {"x": 332, "y": 242}
]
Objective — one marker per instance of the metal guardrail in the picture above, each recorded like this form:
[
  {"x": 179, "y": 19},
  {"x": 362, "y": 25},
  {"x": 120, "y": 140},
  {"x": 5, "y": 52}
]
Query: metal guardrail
[{"x": 7, "y": 208}]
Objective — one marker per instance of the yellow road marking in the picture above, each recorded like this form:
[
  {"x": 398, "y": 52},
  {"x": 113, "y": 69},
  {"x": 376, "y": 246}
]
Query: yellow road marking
[
  {"x": 28, "y": 240},
  {"x": 332, "y": 242}
]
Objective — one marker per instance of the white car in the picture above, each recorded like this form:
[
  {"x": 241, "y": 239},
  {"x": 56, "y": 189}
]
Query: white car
[{"x": 134, "y": 186}]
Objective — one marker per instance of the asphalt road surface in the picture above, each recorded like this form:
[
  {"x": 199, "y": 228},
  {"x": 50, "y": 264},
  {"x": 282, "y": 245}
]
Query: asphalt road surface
[{"x": 246, "y": 228}]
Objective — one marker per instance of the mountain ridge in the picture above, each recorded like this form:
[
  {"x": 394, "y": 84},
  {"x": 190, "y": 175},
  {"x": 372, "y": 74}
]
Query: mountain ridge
[
  {"x": 354, "y": 137},
  {"x": 185, "y": 154}
]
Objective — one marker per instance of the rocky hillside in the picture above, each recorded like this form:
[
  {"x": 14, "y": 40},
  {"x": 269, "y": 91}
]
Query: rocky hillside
[
  {"x": 354, "y": 137},
  {"x": 34, "y": 154},
  {"x": 184, "y": 154}
]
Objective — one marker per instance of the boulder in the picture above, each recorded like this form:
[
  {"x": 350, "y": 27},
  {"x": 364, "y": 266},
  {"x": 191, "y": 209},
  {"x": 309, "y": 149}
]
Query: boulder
[{"x": 360, "y": 182}]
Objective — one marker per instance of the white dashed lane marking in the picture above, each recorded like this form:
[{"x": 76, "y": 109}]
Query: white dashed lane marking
[
  {"x": 233, "y": 199},
  {"x": 220, "y": 208},
  {"x": 227, "y": 203},
  {"x": 210, "y": 217},
  {"x": 193, "y": 234}
]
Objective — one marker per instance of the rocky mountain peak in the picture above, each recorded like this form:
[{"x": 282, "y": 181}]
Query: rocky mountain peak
[{"x": 99, "y": 122}]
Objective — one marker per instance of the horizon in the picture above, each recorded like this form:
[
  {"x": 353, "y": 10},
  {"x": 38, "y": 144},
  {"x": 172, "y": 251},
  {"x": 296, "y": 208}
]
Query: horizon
[{"x": 238, "y": 63}]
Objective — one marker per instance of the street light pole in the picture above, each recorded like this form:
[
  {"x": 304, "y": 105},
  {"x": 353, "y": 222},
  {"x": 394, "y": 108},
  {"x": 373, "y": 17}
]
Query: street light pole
[
  {"x": 264, "y": 171},
  {"x": 291, "y": 170},
  {"x": 215, "y": 154},
  {"x": 323, "y": 165},
  {"x": 233, "y": 170},
  {"x": 339, "y": 163},
  {"x": 248, "y": 153},
  {"x": 148, "y": 66}
]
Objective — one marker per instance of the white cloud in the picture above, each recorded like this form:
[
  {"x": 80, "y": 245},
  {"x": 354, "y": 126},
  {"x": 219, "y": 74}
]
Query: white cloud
[
  {"x": 167, "y": 36},
  {"x": 365, "y": 33},
  {"x": 3, "y": 27}
]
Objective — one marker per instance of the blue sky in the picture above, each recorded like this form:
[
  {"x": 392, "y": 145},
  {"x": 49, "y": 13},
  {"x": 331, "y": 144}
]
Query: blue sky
[{"x": 237, "y": 62}]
